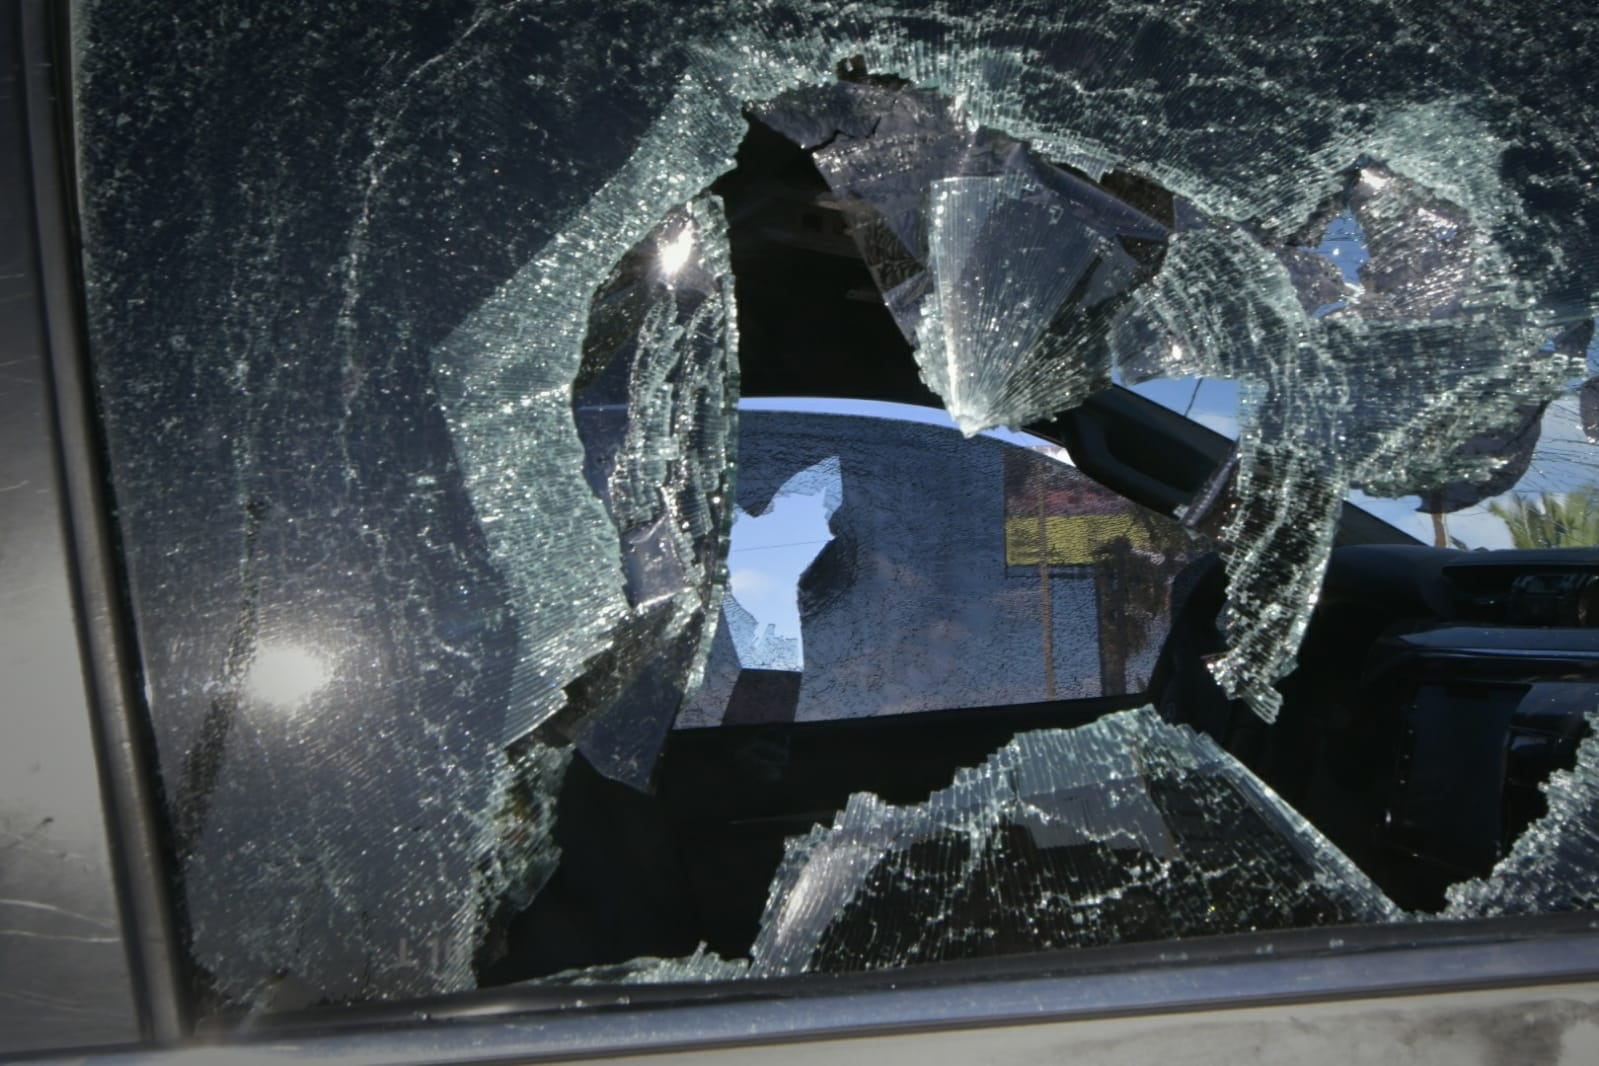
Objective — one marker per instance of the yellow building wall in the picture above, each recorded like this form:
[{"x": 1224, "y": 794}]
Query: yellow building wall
[{"x": 1071, "y": 540}]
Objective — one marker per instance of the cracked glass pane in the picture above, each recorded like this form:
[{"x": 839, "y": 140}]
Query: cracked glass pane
[
  {"x": 1127, "y": 829},
  {"x": 1026, "y": 285},
  {"x": 419, "y": 342},
  {"x": 1554, "y": 865},
  {"x": 653, "y": 406}
]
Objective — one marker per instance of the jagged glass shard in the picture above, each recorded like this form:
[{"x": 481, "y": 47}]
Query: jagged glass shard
[
  {"x": 882, "y": 147},
  {"x": 1507, "y": 453},
  {"x": 1287, "y": 501},
  {"x": 1126, "y": 829},
  {"x": 1421, "y": 248},
  {"x": 1011, "y": 261},
  {"x": 1420, "y": 259},
  {"x": 654, "y": 402},
  {"x": 605, "y": 491},
  {"x": 1554, "y": 865},
  {"x": 1317, "y": 280},
  {"x": 524, "y": 852},
  {"x": 698, "y": 968},
  {"x": 1325, "y": 403}
]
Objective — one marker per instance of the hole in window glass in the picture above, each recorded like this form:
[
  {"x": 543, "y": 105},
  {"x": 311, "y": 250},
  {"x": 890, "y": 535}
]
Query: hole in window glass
[{"x": 594, "y": 500}]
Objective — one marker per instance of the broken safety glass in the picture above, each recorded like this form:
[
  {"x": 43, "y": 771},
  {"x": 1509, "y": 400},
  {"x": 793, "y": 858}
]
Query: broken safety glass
[{"x": 633, "y": 492}]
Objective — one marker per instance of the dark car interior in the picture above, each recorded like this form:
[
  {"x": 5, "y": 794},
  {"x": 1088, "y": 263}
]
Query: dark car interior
[{"x": 1434, "y": 691}]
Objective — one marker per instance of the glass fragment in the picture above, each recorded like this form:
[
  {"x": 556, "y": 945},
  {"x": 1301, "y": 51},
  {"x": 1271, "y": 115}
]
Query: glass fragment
[
  {"x": 1554, "y": 865},
  {"x": 1125, "y": 829}
]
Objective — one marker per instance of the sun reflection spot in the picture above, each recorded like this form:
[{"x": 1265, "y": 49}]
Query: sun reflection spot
[
  {"x": 285, "y": 675},
  {"x": 675, "y": 252}
]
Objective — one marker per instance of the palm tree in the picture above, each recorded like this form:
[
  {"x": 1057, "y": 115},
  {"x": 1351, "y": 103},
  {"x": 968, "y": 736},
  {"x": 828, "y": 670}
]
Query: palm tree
[{"x": 1552, "y": 521}]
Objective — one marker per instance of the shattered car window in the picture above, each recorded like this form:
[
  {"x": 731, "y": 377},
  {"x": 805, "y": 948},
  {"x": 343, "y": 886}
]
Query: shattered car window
[{"x": 420, "y": 338}]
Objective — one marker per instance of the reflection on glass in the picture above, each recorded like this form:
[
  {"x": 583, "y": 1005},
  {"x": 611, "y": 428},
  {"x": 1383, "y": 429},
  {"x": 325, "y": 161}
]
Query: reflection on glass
[
  {"x": 770, "y": 552},
  {"x": 285, "y": 676},
  {"x": 1562, "y": 479},
  {"x": 675, "y": 252}
]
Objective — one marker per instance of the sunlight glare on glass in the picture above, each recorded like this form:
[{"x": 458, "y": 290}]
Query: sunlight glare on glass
[
  {"x": 284, "y": 676},
  {"x": 675, "y": 252}
]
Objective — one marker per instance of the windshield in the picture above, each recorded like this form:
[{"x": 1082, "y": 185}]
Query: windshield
[
  {"x": 880, "y": 563},
  {"x": 544, "y": 567}
]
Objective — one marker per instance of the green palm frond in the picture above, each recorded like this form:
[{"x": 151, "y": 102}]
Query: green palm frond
[{"x": 1553, "y": 520}]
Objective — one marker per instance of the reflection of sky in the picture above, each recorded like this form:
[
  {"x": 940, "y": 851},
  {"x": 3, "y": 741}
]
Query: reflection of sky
[
  {"x": 771, "y": 551},
  {"x": 1211, "y": 402},
  {"x": 1564, "y": 460},
  {"x": 1345, "y": 244}
]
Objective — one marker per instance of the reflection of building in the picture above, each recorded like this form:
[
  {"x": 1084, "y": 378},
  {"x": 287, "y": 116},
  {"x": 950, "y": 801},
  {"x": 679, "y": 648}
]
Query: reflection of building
[{"x": 925, "y": 597}]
